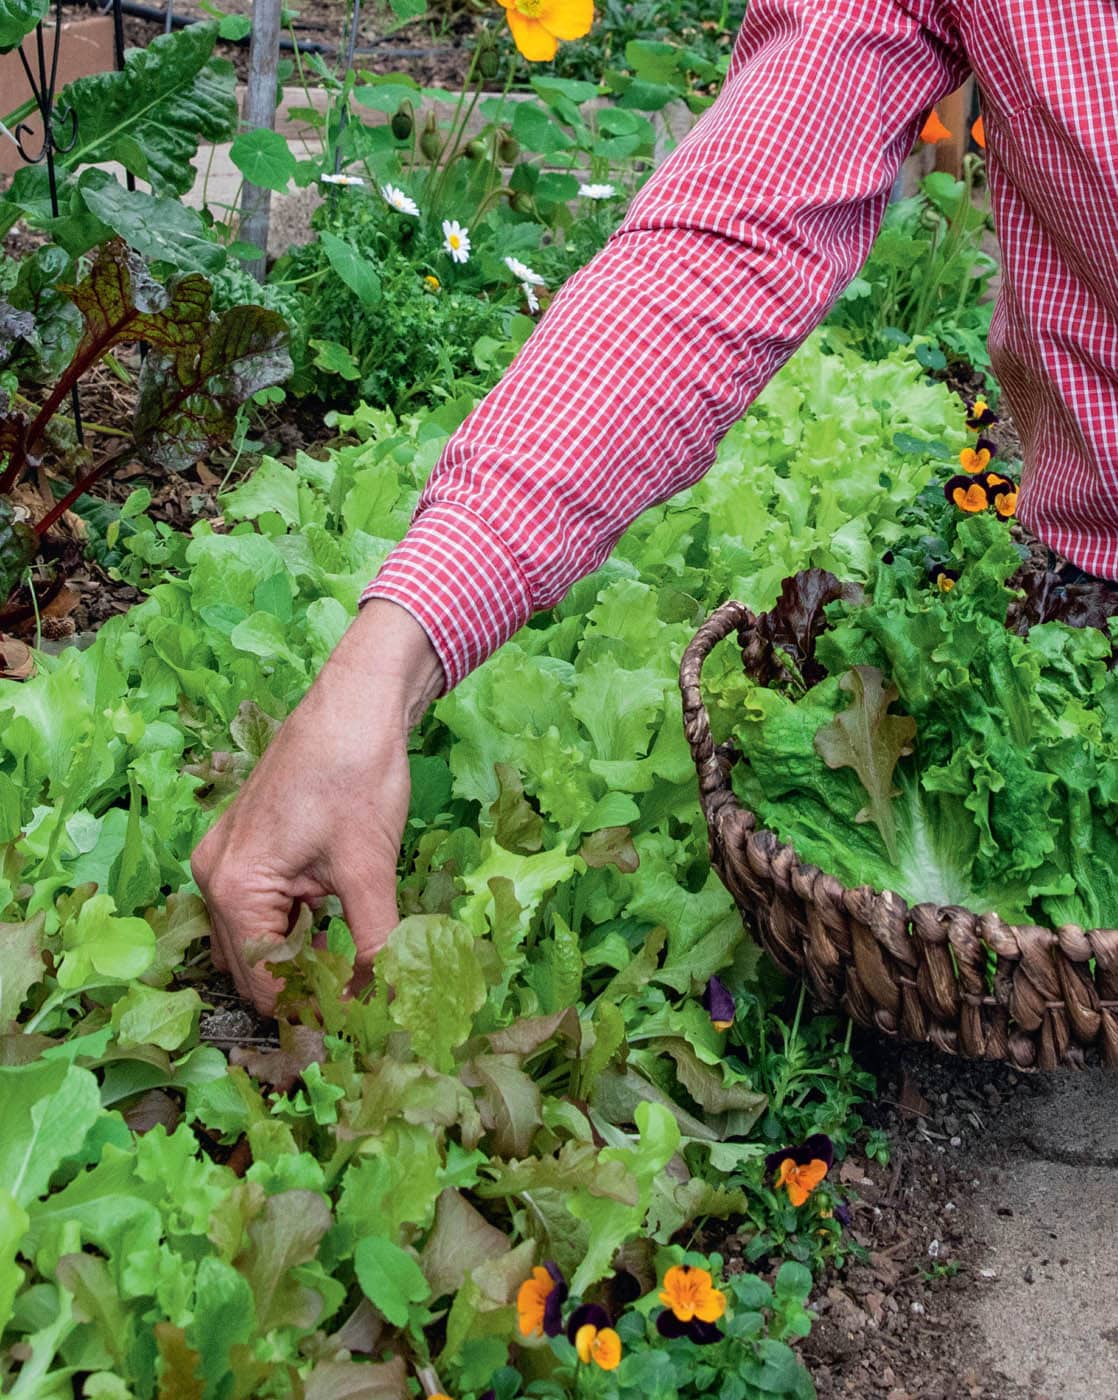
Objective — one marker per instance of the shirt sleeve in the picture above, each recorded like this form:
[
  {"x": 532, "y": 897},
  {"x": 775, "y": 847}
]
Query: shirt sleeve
[{"x": 729, "y": 256}]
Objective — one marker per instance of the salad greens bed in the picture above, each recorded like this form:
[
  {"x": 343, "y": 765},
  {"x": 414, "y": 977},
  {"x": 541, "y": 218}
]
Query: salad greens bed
[
  {"x": 543, "y": 1074},
  {"x": 940, "y": 754}
]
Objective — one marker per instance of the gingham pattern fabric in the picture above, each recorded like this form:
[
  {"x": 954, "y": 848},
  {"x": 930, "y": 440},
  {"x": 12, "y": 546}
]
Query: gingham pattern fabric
[{"x": 736, "y": 248}]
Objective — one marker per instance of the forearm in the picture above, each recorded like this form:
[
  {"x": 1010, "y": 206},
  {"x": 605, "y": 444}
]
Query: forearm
[{"x": 728, "y": 258}]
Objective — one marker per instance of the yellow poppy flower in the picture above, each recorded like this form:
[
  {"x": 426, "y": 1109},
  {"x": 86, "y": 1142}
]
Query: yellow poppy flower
[{"x": 537, "y": 25}]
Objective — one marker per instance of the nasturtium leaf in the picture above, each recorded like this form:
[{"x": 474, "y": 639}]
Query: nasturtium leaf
[
  {"x": 335, "y": 359},
  {"x": 46, "y": 1109},
  {"x": 431, "y": 964},
  {"x": 264, "y": 158},
  {"x": 233, "y": 28},
  {"x": 389, "y": 1277}
]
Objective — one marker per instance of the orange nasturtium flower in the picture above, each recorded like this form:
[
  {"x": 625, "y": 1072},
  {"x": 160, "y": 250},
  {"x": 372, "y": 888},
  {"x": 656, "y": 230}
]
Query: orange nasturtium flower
[
  {"x": 973, "y": 460},
  {"x": 538, "y": 25},
  {"x": 691, "y": 1293},
  {"x": 934, "y": 130},
  {"x": 978, "y": 131}
]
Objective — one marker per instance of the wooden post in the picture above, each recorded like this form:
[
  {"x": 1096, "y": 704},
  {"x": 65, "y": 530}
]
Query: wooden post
[
  {"x": 954, "y": 111},
  {"x": 260, "y": 111}
]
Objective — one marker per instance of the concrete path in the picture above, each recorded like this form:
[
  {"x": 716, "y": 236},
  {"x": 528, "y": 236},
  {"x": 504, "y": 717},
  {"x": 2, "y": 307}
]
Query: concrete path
[{"x": 1050, "y": 1314}]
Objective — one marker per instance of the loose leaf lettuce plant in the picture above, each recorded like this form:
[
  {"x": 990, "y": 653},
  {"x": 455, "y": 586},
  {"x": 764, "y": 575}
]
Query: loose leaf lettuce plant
[
  {"x": 535, "y": 1076},
  {"x": 943, "y": 755}
]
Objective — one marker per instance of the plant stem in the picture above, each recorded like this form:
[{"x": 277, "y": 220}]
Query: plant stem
[{"x": 83, "y": 484}]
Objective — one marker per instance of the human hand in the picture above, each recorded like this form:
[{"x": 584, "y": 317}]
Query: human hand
[{"x": 324, "y": 810}]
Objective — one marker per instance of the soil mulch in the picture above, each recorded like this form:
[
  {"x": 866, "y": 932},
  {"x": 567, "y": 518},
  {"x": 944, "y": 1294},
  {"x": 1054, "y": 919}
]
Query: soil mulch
[
  {"x": 439, "y": 61},
  {"x": 899, "y": 1326}
]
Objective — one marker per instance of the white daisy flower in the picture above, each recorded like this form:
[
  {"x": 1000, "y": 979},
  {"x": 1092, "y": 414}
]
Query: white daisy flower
[
  {"x": 530, "y": 297},
  {"x": 597, "y": 191},
  {"x": 523, "y": 273},
  {"x": 456, "y": 240},
  {"x": 341, "y": 179},
  {"x": 401, "y": 202}
]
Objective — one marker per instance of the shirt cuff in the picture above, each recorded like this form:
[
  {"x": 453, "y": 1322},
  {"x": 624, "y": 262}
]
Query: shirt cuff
[{"x": 459, "y": 581}]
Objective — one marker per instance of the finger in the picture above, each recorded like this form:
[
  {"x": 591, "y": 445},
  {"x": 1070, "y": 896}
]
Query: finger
[
  {"x": 245, "y": 929},
  {"x": 217, "y": 951},
  {"x": 369, "y": 904}
]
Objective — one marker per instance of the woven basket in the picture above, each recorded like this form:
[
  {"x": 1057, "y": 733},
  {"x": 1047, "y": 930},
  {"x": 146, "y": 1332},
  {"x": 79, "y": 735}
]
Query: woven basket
[{"x": 919, "y": 972}]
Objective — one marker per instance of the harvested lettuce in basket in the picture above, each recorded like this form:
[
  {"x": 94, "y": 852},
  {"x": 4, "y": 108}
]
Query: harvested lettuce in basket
[{"x": 907, "y": 740}]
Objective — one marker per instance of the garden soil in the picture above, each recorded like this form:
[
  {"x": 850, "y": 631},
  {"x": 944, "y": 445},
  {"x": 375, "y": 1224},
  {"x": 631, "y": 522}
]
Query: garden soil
[{"x": 989, "y": 1235}]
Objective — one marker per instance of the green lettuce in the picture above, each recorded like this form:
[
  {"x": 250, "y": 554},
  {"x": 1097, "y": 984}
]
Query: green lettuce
[{"x": 1001, "y": 793}]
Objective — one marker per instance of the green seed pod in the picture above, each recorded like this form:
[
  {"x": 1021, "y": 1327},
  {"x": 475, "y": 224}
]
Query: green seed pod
[
  {"x": 429, "y": 142},
  {"x": 403, "y": 123},
  {"x": 508, "y": 148},
  {"x": 488, "y": 63},
  {"x": 475, "y": 150},
  {"x": 522, "y": 203}
]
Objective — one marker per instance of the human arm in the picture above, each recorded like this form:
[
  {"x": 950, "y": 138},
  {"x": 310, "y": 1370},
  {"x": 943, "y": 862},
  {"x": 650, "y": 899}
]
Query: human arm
[
  {"x": 730, "y": 255},
  {"x": 324, "y": 810}
]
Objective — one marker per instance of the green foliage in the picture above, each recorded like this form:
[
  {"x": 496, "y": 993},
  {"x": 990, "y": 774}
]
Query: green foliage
[
  {"x": 1001, "y": 799},
  {"x": 928, "y": 276},
  {"x": 533, "y": 1076},
  {"x": 150, "y": 117},
  {"x": 17, "y": 19}
]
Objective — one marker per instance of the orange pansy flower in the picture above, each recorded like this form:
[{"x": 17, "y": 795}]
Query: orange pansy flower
[
  {"x": 975, "y": 460},
  {"x": 801, "y": 1180},
  {"x": 600, "y": 1345},
  {"x": 691, "y": 1293},
  {"x": 1005, "y": 503}
]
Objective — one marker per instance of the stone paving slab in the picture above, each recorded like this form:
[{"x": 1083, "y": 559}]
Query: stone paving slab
[
  {"x": 1049, "y": 1317},
  {"x": 1074, "y": 1119}
]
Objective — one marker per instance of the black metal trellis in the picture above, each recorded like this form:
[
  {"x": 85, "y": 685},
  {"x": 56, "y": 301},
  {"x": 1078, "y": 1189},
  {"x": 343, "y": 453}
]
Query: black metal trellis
[{"x": 43, "y": 81}]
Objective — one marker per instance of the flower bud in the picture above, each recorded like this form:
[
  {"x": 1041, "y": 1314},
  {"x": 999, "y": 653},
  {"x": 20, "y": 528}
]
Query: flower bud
[
  {"x": 475, "y": 149},
  {"x": 429, "y": 142},
  {"x": 488, "y": 63},
  {"x": 508, "y": 147},
  {"x": 403, "y": 122}
]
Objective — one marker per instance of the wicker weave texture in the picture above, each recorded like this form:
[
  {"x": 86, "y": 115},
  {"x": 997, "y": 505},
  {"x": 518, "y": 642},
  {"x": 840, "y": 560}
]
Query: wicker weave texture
[{"x": 919, "y": 972}]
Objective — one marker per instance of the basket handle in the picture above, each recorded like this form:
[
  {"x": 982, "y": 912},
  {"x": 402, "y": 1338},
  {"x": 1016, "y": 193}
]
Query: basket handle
[{"x": 730, "y": 617}]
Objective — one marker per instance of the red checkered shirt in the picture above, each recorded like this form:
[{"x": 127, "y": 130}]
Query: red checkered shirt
[{"x": 735, "y": 250}]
